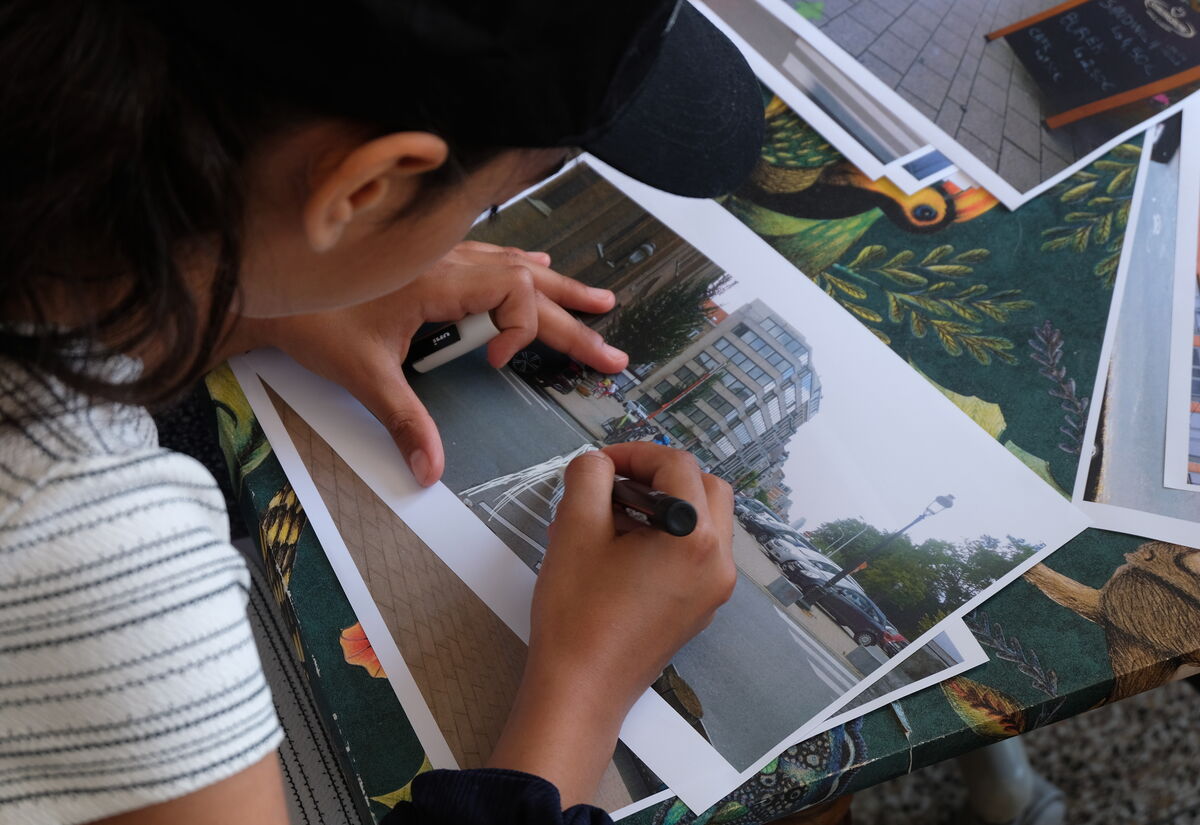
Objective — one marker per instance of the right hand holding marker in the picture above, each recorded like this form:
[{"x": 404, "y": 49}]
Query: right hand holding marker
[
  {"x": 610, "y": 609},
  {"x": 621, "y": 605}
]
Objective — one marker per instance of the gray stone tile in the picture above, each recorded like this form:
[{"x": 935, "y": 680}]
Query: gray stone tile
[
  {"x": 990, "y": 94},
  {"x": 994, "y": 70},
  {"x": 978, "y": 148},
  {"x": 911, "y": 32},
  {"x": 833, "y": 8},
  {"x": 1059, "y": 142},
  {"x": 1018, "y": 168},
  {"x": 871, "y": 15},
  {"x": 959, "y": 23},
  {"x": 939, "y": 7},
  {"x": 949, "y": 117},
  {"x": 921, "y": 106},
  {"x": 848, "y": 33},
  {"x": 1052, "y": 164},
  {"x": 927, "y": 85},
  {"x": 941, "y": 61},
  {"x": 960, "y": 87},
  {"x": 984, "y": 124},
  {"x": 1024, "y": 102},
  {"x": 951, "y": 42},
  {"x": 881, "y": 70},
  {"x": 894, "y": 51},
  {"x": 1023, "y": 133},
  {"x": 923, "y": 16}
]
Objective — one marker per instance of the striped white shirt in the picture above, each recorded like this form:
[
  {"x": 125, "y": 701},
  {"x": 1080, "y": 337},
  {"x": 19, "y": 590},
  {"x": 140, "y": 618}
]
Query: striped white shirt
[{"x": 128, "y": 673}]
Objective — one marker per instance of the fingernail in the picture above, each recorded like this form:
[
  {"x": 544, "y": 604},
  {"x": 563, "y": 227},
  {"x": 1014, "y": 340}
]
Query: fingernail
[
  {"x": 613, "y": 352},
  {"x": 600, "y": 294},
  {"x": 418, "y": 462}
]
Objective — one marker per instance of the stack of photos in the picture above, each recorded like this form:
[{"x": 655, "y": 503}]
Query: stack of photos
[
  {"x": 871, "y": 514},
  {"x": 1182, "y": 466},
  {"x": 1016, "y": 95},
  {"x": 1146, "y": 380}
]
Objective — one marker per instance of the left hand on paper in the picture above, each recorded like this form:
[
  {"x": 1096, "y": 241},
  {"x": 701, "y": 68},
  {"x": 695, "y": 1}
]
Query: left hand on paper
[{"x": 363, "y": 347}]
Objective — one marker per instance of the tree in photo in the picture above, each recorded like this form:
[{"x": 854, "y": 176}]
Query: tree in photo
[
  {"x": 915, "y": 585},
  {"x": 660, "y": 325}
]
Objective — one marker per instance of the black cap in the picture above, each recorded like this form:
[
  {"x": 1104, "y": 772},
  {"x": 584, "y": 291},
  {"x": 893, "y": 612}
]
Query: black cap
[{"x": 648, "y": 86}]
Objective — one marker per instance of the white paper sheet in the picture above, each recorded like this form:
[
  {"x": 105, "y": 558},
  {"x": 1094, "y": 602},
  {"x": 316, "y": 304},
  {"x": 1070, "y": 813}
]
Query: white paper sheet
[
  {"x": 1184, "y": 303},
  {"x": 1132, "y": 377}
]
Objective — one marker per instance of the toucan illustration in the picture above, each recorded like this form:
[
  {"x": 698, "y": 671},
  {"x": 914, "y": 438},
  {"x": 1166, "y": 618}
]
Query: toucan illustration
[{"x": 805, "y": 196}]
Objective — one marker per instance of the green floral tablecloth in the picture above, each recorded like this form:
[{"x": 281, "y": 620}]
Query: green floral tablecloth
[{"x": 1005, "y": 312}]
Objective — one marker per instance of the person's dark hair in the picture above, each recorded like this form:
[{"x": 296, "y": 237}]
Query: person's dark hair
[{"x": 120, "y": 151}]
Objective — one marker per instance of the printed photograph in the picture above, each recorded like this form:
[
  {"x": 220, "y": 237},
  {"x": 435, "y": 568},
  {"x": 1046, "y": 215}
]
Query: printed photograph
[
  {"x": 891, "y": 146},
  {"x": 1193, "y": 467},
  {"x": 1028, "y": 88},
  {"x": 832, "y": 582},
  {"x": 1126, "y": 469},
  {"x": 465, "y": 662}
]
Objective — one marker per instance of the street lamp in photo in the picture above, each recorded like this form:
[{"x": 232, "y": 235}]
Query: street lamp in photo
[{"x": 938, "y": 505}]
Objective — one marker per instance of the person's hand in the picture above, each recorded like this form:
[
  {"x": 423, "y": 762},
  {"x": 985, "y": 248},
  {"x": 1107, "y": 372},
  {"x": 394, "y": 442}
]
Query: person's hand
[
  {"x": 610, "y": 609},
  {"x": 363, "y": 347}
]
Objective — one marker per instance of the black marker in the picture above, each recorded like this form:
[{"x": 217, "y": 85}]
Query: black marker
[
  {"x": 654, "y": 508},
  {"x": 444, "y": 344}
]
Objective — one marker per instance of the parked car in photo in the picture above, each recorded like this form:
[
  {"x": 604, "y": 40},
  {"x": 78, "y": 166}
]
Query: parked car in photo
[
  {"x": 806, "y": 570},
  {"x": 782, "y": 552},
  {"x": 755, "y": 507},
  {"x": 854, "y": 611},
  {"x": 893, "y": 641},
  {"x": 546, "y": 368}
]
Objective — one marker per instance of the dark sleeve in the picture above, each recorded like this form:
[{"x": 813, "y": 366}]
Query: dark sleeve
[{"x": 488, "y": 797}]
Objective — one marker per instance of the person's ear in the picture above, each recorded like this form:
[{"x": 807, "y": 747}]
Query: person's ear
[{"x": 383, "y": 170}]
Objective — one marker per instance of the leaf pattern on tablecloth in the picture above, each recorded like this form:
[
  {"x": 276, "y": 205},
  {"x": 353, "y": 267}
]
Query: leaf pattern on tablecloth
[{"x": 988, "y": 711}]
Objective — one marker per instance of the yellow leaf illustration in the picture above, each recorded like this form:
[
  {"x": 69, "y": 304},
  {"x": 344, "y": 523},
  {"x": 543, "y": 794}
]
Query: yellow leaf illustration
[
  {"x": 404, "y": 794},
  {"x": 242, "y": 439},
  {"x": 984, "y": 413},
  {"x": 988, "y": 711},
  {"x": 357, "y": 650},
  {"x": 1038, "y": 465}
]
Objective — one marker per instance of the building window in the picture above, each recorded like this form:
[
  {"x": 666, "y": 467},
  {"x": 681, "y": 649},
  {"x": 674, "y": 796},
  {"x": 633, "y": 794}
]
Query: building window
[
  {"x": 707, "y": 361},
  {"x": 725, "y": 447},
  {"x": 685, "y": 376}
]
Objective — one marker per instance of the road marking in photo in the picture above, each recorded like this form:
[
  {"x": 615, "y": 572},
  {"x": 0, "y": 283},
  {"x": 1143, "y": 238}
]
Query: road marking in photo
[
  {"x": 818, "y": 654},
  {"x": 524, "y": 390},
  {"x": 493, "y": 515}
]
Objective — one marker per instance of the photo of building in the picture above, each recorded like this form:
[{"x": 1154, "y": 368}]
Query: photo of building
[{"x": 735, "y": 396}]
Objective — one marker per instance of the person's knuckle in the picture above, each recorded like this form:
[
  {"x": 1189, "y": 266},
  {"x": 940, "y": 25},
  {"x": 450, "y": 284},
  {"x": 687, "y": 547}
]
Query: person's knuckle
[
  {"x": 727, "y": 582},
  {"x": 513, "y": 257},
  {"x": 400, "y": 424},
  {"x": 591, "y": 461},
  {"x": 520, "y": 278},
  {"x": 719, "y": 485}
]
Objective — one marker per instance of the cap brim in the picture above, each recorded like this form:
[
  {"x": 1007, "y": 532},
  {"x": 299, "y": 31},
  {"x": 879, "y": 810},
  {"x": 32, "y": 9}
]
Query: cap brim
[{"x": 695, "y": 125}]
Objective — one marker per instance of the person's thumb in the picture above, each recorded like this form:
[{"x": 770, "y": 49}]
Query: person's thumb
[
  {"x": 586, "y": 503},
  {"x": 397, "y": 407}
]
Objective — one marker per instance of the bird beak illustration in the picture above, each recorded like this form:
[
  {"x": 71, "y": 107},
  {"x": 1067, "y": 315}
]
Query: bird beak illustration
[{"x": 969, "y": 203}]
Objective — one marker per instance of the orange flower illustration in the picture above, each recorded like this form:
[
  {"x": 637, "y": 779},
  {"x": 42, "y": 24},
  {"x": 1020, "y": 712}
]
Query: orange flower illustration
[{"x": 356, "y": 649}]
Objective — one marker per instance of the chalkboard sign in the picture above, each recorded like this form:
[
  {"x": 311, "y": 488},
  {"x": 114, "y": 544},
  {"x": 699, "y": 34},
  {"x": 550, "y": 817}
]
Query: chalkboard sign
[{"x": 1092, "y": 55}]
